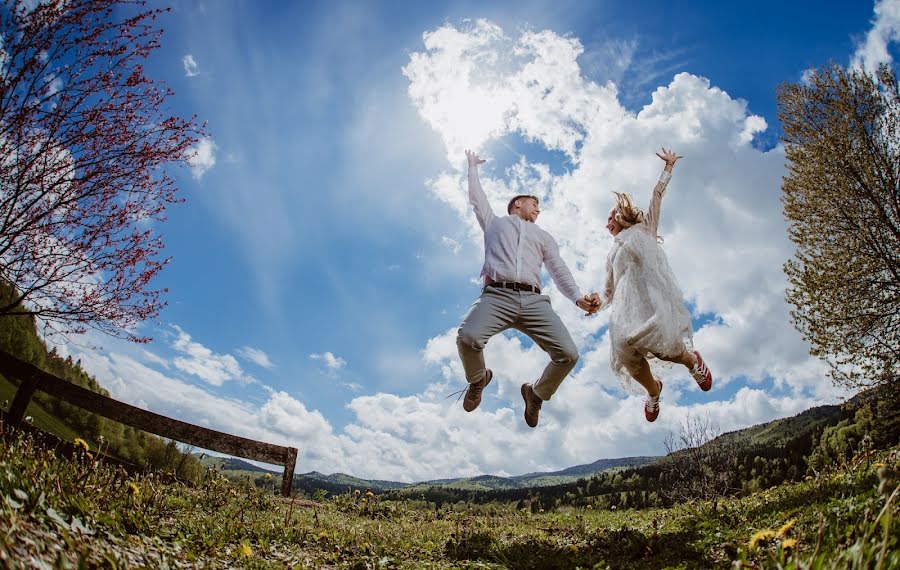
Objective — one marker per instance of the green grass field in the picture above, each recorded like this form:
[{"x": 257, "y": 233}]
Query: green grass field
[{"x": 64, "y": 513}]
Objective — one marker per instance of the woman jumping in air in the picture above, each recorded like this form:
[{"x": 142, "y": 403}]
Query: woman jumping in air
[{"x": 648, "y": 322}]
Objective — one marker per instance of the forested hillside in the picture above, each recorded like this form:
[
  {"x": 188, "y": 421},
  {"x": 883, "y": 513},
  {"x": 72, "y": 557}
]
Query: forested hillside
[{"x": 734, "y": 464}]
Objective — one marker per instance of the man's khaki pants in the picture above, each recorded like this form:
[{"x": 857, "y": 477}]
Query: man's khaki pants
[{"x": 500, "y": 309}]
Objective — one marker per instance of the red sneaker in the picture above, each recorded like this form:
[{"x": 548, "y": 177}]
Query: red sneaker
[
  {"x": 651, "y": 405},
  {"x": 701, "y": 373}
]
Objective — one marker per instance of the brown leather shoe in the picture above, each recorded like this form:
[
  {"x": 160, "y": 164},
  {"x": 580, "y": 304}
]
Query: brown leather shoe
[
  {"x": 532, "y": 405},
  {"x": 473, "y": 394}
]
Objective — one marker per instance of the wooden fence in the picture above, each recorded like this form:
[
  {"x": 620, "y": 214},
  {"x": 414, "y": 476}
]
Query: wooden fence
[{"x": 32, "y": 378}]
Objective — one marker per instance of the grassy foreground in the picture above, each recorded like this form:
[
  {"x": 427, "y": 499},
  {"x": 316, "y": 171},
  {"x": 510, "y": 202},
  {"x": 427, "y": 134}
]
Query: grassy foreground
[{"x": 76, "y": 512}]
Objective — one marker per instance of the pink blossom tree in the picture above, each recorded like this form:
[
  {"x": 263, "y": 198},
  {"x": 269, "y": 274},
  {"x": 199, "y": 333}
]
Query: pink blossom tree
[{"x": 86, "y": 146}]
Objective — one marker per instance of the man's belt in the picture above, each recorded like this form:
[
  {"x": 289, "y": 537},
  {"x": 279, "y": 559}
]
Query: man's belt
[{"x": 515, "y": 286}]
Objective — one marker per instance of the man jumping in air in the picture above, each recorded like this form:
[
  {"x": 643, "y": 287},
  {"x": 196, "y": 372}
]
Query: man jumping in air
[{"x": 515, "y": 248}]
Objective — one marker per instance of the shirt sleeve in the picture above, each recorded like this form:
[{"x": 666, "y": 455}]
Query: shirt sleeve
[
  {"x": 479, "y": 200},
  {"x": 558, "y": 270},
  {"x": 656, "y": 201}
]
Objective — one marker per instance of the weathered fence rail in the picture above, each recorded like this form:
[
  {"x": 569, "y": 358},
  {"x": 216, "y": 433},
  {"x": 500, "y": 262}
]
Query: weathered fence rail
[{"x": 32, "y": 378}]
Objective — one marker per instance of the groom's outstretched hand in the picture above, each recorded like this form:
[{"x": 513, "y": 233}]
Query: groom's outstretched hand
[{"x": 473, "y": 158}]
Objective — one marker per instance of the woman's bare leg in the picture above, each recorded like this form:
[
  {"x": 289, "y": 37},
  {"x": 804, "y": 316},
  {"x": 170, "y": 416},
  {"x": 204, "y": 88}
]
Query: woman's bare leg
[
  {"x": 645, "y": 378},
  {"x": 686, "y": 358},
  {"x": 695, "y": 366}
]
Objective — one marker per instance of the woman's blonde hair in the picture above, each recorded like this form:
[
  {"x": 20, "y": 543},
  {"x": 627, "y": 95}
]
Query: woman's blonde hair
[{"x": 625, "y": 211}]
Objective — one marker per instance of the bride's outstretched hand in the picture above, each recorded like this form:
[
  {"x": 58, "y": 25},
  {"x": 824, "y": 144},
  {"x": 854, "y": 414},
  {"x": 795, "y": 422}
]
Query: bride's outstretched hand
[{"x": 669, "y": 156}]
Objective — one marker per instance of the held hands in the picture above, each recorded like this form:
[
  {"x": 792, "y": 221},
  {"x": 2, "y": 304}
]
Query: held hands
[
  {"x": 473, "y": 158},
  {"x": 590, "y": 304},
  {"x": 670, "y": 158}
]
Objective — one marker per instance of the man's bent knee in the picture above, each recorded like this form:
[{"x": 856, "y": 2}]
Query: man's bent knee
[
  {"x": 467, "y": 340},
  {"x": 568, "y": 355}
]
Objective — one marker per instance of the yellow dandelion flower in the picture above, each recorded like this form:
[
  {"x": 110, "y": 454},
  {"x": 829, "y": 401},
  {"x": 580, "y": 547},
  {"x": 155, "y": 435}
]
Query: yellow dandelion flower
[
  {"x": 573, "y": 548},
  {"x": 133, "y": 489},
  {"x": 878, "y": 466},
  {"x": 786, "y": 528},
  {"x": 761, "y": 536},
  {"x": 789, "y": 543},
  {"x": 82, "y": 444},
  {"x": 267, "y": 476},
  {"x": 323, "y": 535},
  {"x": 246, "y": 551},
  {"x": 370, "y": 494},
  {"x": 356, "y": 492}
]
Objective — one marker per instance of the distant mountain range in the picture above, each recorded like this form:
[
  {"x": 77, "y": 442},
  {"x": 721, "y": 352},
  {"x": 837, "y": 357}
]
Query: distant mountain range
[
  {"x": 340, "y": 482},
  {"x": 777, "y": 433}
]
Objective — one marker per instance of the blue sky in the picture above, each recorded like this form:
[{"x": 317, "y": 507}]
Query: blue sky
[{"x": 325, "y": 254}]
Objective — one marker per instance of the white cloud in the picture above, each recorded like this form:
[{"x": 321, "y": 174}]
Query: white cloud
[
  {"x": 332, "y": 363},
  {"x": 256, "y": 356},
  {"x": 281, "y": 419},
  {"x": 190, "y": 66},
  {"x": 452, "y": 244},
  {"x": 754, "y": 124},
  {"x": 200, "y": 361},
  {"x": 201, "y": 157},
  {"x": 153, "y": 358},
  {"x": 873, "y": 50},
  {"x": 31, "y": 5}
]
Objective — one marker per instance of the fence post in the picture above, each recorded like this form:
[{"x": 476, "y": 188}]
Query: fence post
[
  {"x": 287, "y": 480},
  {"x": 27, "y": 386}
]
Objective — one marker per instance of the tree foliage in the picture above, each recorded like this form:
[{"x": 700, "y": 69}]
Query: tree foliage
[
  {"x": 842, "y": 201},
  {"x": 85, "y": 139}
]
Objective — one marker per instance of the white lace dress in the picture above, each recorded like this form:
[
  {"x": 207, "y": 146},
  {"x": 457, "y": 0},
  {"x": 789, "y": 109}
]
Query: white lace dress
[{"x": 648, "y": 316}]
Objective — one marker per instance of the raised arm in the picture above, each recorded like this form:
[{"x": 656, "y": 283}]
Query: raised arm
[
  {"x": 656, "y": 202},
  {"x": 477, "y": 197}
]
